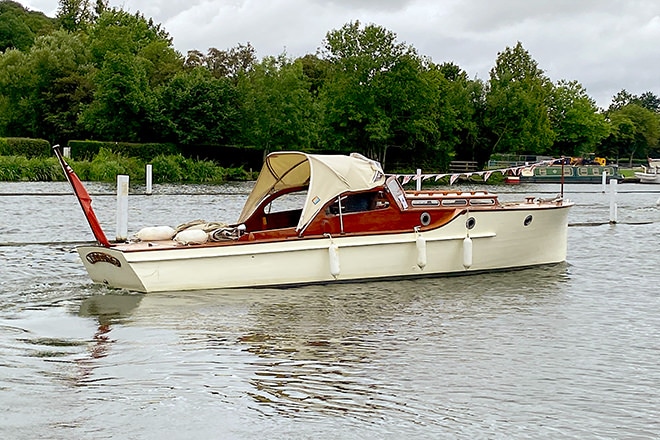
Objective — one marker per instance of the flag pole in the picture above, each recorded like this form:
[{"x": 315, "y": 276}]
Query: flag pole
[{"x": 83, "y": 198}]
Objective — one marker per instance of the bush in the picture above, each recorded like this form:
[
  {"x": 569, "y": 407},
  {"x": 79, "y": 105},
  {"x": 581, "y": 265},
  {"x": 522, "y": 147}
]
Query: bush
[
  {"x": 25, "y": 147},
  {"x": 36, "y": 169},
  {"x": 107, "y": 165},
  {"x": 87, "y": 150}
]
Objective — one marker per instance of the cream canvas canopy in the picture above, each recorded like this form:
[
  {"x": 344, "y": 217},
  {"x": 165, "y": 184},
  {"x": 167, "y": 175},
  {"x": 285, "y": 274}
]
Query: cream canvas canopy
[{"x": 327, "y": 176}]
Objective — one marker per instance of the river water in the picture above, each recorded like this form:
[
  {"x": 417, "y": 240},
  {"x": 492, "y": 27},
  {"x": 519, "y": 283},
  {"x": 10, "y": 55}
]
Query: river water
[{"x": 568, "y": 351}]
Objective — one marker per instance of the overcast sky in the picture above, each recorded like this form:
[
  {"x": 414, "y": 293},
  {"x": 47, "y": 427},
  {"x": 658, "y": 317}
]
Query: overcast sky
[{"x": 606, "y": 45}]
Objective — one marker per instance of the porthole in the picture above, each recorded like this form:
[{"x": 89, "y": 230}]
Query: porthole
[
  {"x": 528, "y": 220},
  {"x": 425, "y": 218},
  {"x": 471, "y": 223}
]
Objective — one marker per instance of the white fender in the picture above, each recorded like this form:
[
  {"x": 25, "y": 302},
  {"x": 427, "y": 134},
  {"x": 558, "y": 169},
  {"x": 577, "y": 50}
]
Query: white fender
[
  {"x": 191, "y": 236},
  {"x": 420, "y": 242},
  {"x": 152, "y": 233},
  {"x": 467, "y": 252},
  {"x": 333, "y": 253}
]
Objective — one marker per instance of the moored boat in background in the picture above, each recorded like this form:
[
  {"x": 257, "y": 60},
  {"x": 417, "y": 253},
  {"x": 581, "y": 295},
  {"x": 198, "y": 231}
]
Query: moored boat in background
[
  {"x": 571, "y": 173},
  {"x": 650, "y": 174}
]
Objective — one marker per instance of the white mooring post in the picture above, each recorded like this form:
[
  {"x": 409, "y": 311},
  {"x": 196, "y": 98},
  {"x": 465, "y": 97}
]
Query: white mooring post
[
  {"x": 122, "y": 207},
  {"x": 149, "y": 178},
  {"x": 604, "y": 181},
  {"x": 613, "y": 184},
  {"x": 66, "y": 152},
  {"x": 419, "y": 179}
]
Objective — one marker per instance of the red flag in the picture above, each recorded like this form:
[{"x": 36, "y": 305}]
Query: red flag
[{"x": 83, "y": 197}]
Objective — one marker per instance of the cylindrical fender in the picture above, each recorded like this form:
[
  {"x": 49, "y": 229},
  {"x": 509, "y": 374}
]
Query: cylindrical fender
[
  {"x": 467, "y": 252},
  {"x": 420, "y": 242},
  {"x": 333, "y": 253}
]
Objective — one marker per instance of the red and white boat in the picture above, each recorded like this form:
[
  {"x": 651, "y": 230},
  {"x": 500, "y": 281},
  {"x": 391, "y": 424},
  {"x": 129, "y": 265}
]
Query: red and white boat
[{"x": 344, "y": 220}]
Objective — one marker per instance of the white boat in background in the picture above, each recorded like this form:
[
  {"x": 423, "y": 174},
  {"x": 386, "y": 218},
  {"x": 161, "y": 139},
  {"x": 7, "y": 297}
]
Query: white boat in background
[
  {"x": 650, "y": 174},
  {"x": 345, "y": 220}
]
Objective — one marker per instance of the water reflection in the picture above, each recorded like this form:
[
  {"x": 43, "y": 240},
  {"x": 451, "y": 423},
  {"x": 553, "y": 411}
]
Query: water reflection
[
  {"x": 323, "y": 349},
  {"x": 108, "y": 309}
]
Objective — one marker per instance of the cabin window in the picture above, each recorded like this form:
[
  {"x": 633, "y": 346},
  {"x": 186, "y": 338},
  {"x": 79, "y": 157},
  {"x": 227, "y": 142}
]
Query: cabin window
[
  {"x": 482, "y": 202},
  {"x": 356, "y": 203},
  {"x": 396, "y": 190},
  {"x": 287, "y": 202},
  {"x": 528, "y": 220},
  {"x": 429, "y": 202},
  {"x": 454, "y": 202}
]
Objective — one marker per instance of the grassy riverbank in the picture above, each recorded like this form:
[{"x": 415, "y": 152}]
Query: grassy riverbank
[{"x": 106, "y": 165}]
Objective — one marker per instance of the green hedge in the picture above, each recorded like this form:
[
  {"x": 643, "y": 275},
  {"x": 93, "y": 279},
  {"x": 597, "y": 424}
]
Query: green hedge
[
  {"x": 25, "y": 147},
  {"x": 87, "y": 150},
  {"x": 107, "y": 165}
]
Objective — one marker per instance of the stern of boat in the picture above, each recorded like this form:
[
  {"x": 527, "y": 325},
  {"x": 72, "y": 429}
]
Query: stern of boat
[{"x": 109, "y": 266}]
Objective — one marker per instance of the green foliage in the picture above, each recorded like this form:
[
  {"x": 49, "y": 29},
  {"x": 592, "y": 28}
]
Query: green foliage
[
  {"x": 147, "y": 151},
  {"x": 25, "y": 147},
  {"x": 278, "y": 111},
  {"x": 578, "y": 126},
  {"x": 21, "y": 168},
  {"x": 635, "y": 132},
  {"x": 516, "y": 104},
  {"x": 107, "y": 165},
  {"x": 176, "y": 168},
  {"x": 19, "y": 27},
  {"x": 122, "y": 100},
  {"x": 198, "y": 108},
  {"x": 377, "y": 93}
]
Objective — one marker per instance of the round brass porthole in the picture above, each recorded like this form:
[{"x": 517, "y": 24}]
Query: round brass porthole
[
  {"x": 528, "y": 220},
  {"x": 425, "y": 218},
  {"x": 471, "y": 223}
]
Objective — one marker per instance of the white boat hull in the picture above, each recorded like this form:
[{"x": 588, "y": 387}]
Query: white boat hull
[
  {"x": 648, "y": 177},
  {"x": 499, "y": 240}
]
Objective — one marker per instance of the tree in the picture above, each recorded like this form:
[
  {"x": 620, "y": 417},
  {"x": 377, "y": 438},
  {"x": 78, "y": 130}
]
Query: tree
[
  {"x": 119, "y": 32},
  {"x": 376, "y": 95},
  {"x": 16, "y": 86},
  {"x": 277, "y": 110},
  {"x": 465, "y": 114},
  {"x": 62, "y": 85},
  {"x": 14, "y": 33},
  {"x": 74, "y": 15},
  {"x": 45, "y": 88},
  {"x": 197, "y": 108},
  {"x": 123, "y": 102},
  {"x": 231, "y": 63},
  {"x": 516, "y": 104},
  {"x": 648, "y": 100},
  {"x": 575, "y": 120},
  {"x": 19, "y": 27},
  {"x": 131, "y": 58},
  {"x": 635, "y": 131}
]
